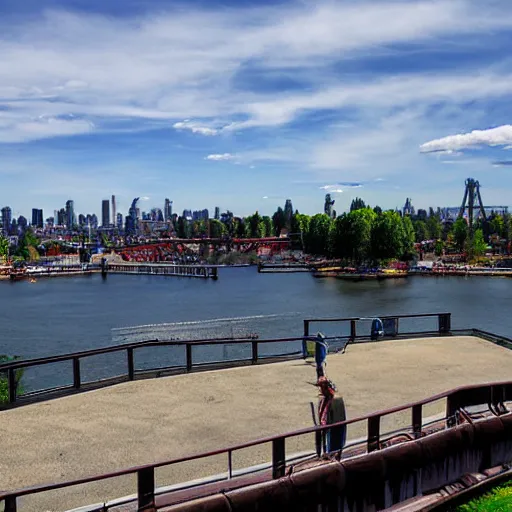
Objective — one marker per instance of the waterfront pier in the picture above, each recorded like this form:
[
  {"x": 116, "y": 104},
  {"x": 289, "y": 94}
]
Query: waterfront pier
[{"x": 160, "y": 269}]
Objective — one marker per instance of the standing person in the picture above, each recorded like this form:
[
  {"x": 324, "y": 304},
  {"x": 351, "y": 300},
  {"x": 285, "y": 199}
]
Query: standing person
[
  {"x": 331, "y": 409},
  {"x": 321, "y": 349}
]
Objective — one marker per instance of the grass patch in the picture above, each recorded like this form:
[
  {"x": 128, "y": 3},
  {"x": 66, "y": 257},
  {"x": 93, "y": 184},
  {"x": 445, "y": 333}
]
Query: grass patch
[
  {"x": 4, "y": 383},
  {"x": 498, "y": 500}
]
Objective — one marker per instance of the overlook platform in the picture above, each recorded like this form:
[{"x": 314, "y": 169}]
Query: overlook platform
[{"x": 145, "y": 421}]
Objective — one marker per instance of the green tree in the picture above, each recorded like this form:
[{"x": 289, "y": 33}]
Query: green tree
[
  {"x": 434, "y": 226},
  {"x": 217, "y": 228},
  {"x": 28, "y": 240},
  {"x": 359, "y": 234},
  {"x": 180, "y": 228},
  {"x": 253, "y": 226},
  {"x": 388, "y": 236},
  {"x": 4, "y": 248},
  {"x": 278, "y": 220},
  {"x": 477, "y": 245},
  {"x": 357, "y": 204},
  {"x": 460, "y": 233},
  {"x": 409, "y": 238},
  {"x": 317, "y": 240},
  {"x": 497, "y": 226},
  {"x": 268, "y": 228},
  {"x": 421, "y": 231}
]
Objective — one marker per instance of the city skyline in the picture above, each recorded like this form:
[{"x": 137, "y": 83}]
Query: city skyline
[{"x": 252, "y": 103}]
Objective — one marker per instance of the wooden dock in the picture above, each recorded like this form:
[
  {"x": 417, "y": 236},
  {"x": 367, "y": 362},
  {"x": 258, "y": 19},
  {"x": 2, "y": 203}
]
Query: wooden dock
[{"x": 161, "y": 269}]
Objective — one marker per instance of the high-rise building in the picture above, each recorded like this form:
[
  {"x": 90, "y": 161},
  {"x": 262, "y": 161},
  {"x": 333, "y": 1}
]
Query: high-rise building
[
  {"x": 105, "y": 213},
  {"x": 61, "y": 217},
  {"x": 119, "y": 221},
  {"x": 37, "y": 218},
  {"x": 132, "y": 218},
  {"x": 70, "y": 214},
  {"x": 6, "y": 220},
  {"x": 114, "y": 209},
  {"x": 167, "y": 210},
  {"x": 217, "y": 213}
]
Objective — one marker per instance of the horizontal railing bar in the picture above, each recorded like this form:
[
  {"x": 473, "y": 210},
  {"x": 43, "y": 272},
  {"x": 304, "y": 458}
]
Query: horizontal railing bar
[
  {"x": 417, "y": 315},
  {"x": 140, "y": 344},
  {"x": 249, "y": 444},
  {"x": 161, "y": 343}
]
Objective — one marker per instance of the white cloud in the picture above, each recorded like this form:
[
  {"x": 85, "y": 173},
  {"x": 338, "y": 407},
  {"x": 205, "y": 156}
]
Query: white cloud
[
  {"x": 65, "y": 63},
  {"x": 195, "y": 128},
  {"x": 499, "y": 136},
  {"x": 219, "y": 157}
]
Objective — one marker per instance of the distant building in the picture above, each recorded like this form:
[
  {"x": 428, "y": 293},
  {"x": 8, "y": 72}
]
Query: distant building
[
  {"x": 200, "y": 215},
  {"x": 131, "y": 224},
  {"x": 168, "y": 210},
  {"x": 61, "y": 217},
  {"x": 6, "y": 220},
  {"x": 114, "y": 209},
  {"x": 187, "y": 214},
  {"x": 119, "y": 221},
  {"x": 422, "y": 214},
  {"x": 70, "y": 214},
  {"x": 217, "y": 213},
  {"x": 328, "y": 204},
  {"x": 408, "y": 207},
  {"x": 105, "y": 213},
  {"x": 37, "y": 218},
  {"x": 22, "y": 225},
  {"x": 50, "y": 222},
  {"x": 82, "y": 221}
]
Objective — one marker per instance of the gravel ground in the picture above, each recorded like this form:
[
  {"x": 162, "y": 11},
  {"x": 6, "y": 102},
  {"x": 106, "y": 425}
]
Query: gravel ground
[{"x": 150, "y": 420}]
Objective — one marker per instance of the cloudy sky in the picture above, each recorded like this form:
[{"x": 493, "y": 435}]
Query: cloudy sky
[{"x": 242, "y": 104}]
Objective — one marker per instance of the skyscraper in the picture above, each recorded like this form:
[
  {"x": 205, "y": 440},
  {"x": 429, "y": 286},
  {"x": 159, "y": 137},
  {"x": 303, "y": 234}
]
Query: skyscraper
[
  {"x": 37, "y": 218},
  {"x": 105, "y": 213},
  {"x": 217, "y": 213},
  {"x": 6, "y": 220},
  {"x": 167, "y": 210},
  {"x": 114, "y": 209},
  {"x": 70, "y": 214},
  {"x": 119, "y": 221}
]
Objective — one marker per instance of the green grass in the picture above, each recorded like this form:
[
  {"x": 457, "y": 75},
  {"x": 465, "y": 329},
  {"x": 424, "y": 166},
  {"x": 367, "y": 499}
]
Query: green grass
[{"x": 498, "y": 500}]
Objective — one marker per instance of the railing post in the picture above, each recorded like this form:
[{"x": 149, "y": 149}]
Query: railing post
[
  {"x": 445, "y": 324},
  {"x": 189, "y": 357},
  {"x": 417, "y": 419},
  {"x": 254, "y": 352},
  {"x": 146, "y": 490},
  {"x": 76, "y": 373},
  {"x": 304, "y": 342},
  {"x": 10, "y": 504},
  {"x": 353, "y": 332},
  {"x": 131, "y": 369},
  {"x": 11, "y": 375},
  {"x": 278, "y": 457},
  {"x": 373, "y": 433}
]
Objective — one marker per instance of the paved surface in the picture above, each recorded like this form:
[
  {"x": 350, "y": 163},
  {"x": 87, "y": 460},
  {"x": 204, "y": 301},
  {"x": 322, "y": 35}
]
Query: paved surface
[{"x": 145, "y": 421}]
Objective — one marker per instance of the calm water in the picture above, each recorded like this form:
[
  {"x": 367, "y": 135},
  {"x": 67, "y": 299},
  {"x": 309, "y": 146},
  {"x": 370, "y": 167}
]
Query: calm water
[{"x": 69, "y": 314}]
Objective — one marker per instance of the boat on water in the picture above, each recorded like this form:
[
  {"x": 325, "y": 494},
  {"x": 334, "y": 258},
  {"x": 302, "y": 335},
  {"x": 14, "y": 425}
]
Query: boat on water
[{"x": 353, "y": 274}]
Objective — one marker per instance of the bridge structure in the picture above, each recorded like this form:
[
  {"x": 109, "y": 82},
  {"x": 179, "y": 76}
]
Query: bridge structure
[{"x": 167, "y": 249}]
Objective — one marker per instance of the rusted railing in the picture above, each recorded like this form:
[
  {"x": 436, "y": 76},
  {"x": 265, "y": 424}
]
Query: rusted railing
[
  {"x": 188, "y": 346},
  {"x": 494, "y": 395}
]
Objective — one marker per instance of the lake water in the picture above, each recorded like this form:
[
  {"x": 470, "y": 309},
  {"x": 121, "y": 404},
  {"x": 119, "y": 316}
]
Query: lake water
[{"x": 62, "y": 315}]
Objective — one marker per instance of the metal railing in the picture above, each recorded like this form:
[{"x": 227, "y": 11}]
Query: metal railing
[
  {"x": 188, "y": 346},
  {"x": 494, "y": 394}
]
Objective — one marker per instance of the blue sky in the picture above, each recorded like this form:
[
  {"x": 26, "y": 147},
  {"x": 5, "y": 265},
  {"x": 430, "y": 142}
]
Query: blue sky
[{"x": 244, "y": 104}]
